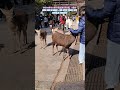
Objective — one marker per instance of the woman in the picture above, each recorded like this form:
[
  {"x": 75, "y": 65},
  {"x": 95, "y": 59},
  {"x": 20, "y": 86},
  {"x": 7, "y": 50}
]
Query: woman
[
  {"x": 110, "y": 10},
  {"x": 81, "y": 30}
]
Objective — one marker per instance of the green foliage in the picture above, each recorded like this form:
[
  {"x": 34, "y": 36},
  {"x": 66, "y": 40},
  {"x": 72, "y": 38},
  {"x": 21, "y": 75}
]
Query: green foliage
[
  {"x": 43, "y": 2},
  {"x": 71, "y": 13}
]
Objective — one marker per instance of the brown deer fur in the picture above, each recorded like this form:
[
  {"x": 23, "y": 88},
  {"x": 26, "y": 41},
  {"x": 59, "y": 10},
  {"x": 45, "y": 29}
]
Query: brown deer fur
[{"x": 17, "y": 23}]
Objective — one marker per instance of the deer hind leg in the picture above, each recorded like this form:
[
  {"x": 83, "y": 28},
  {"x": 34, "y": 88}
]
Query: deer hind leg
[
  {"x": 53, "y": 48},
  {"x": 45, "y": 44},
  {"x": 14, "y": 48},
  {"x": 61, "y": 50},
  {"x": 25, "y": 35},
  {"x": 41, "y": 42},
  {"x": 69, "y": 54},
  {"x": 45, "y": 40},
  {"x": 57, "y": 47},
  {"x": 19, "y": 39},
  {"x": 76, "y": 38},
  {"x": 64, "y": 50}
]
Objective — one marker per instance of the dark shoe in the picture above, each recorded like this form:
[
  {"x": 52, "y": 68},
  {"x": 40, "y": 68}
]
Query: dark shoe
[{"x": 110, "y": 89}]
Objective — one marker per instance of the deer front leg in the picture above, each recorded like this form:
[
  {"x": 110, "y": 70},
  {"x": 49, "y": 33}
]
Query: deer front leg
[
  {"x": 57, "y": 47},
  {"x": 18, "y": 39},
  {"x": 76, "y": 39},
  {"x": 41, "y": 43},
  {"x": 68, "y": 54},
  {"x": 25, "y": 37},
  {"x": 61, "y": 50},
  {"x": 53, "y": 48},
  {"x": 45, "y": 43},
  {"x": 14, "y": 46},
  {"x": 64, "y": 50}
]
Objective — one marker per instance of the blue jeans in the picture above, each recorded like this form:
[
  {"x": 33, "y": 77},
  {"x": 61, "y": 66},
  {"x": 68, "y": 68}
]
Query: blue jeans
[
  {"x": 81, "y": 53},
  {"x": 112, "y": 68}
]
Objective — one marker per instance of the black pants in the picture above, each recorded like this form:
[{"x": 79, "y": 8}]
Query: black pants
[{"x": 46, "y": 24}]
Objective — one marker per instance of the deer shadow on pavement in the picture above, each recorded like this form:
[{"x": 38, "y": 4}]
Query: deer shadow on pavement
[
  {"x": 92, "y": 62},
  {"x": 30, "y": 46},
  {"x": 1, "y": 46}
]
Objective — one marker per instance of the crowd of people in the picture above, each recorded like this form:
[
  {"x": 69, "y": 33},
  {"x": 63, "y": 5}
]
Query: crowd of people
[{"x": 59, "y": 20}]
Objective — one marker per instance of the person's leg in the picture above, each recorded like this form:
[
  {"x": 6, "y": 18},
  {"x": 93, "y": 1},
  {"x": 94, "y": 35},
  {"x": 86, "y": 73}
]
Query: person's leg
[
  {"x": 60, "y": 26},
  {"x": 112, "y": 68},
  {"x": 63, "y": 27},
  {"x": 82, "y": 59},
  {"x": 45, "y": 24}
]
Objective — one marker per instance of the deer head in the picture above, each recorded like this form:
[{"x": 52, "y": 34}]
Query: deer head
[{"x": 7, "y": 13}]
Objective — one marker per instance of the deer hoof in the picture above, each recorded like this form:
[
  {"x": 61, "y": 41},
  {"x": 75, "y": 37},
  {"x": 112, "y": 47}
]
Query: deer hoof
[{"x": 16, "y": 51}]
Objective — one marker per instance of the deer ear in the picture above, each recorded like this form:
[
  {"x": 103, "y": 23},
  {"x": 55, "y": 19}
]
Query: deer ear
[
  {"x": 3, "y": 11},
  {"x": 11, "y": 10}
]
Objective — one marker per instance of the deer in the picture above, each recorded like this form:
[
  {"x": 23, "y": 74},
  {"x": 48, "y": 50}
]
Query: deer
[{"x": 17, "y": 22}]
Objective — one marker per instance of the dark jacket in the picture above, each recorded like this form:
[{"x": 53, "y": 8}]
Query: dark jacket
[
  {"x": 110, "y": 10},
  {"x": 81, "y": 29}
]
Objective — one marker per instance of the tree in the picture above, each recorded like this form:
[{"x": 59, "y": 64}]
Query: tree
[
  {"x": 40, "y": 3},
  {"x": 43, "y": 2}
]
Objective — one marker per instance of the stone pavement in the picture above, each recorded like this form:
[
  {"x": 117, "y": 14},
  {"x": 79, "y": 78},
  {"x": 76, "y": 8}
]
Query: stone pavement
[
  {"x": 95, "y": 62},
  {"x": 47, "y": 67},
  {"x": 16, "y": 69},
  {"x": 73, "y": 78}
]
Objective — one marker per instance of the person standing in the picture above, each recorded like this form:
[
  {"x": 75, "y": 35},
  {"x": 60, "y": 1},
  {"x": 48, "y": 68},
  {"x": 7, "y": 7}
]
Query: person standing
[
  {"x": 37, "y": 22},
  {"x": 51, "y": 24},
  {"x": 41, "y": 20},
  {"x": 81, "y": 30},
  {"x": 46, "y": 22},
  {"x": 110, "y": 10},
  {"x": 77, "y": 19},
  {"x": 60, "y": 21},
  {"x": 58, "y": 16},
  {"x": 63, "y": 22}
]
